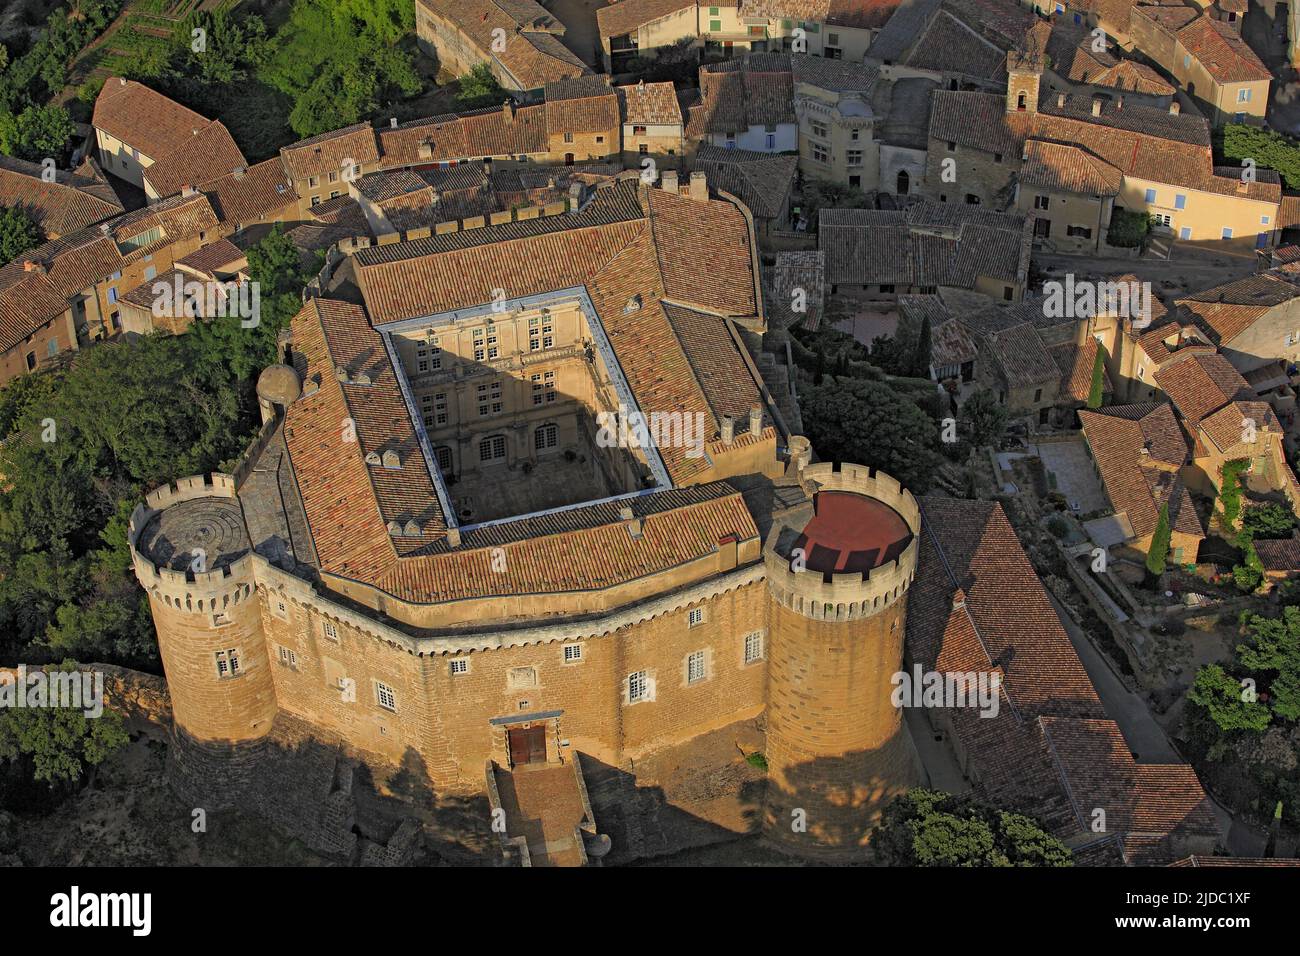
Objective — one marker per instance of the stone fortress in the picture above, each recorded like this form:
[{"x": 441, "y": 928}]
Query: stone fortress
[{"x": 437, "y": 554}]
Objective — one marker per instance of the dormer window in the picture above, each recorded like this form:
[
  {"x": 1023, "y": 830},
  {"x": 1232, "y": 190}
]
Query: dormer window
[{"x": 140, "y": 240}]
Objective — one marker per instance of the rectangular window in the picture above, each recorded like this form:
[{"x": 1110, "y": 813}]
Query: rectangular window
[
  {"x": 818, "y": 129},
  {"x": 460, "y": 667},
  {"x": 1151, "y": 195},
  {"x": 1042, "y": 202},
  {"x": 819, "y": 153},
  {"x": 385, "y": 697},
  {"x": 695, "y": 617},
  {"x": 1243, "y": 96},
  {"x": 695, "y": 667},
  {"x": 753, "y": 647},
  {"x": 228, "y": 663},
  {"x": 572, "y": 653},
  {"x": 854, "y": 157},
  {"x": 715, "y": 26},
  {"x": 1180, "y": 201},
  {"x": 1227, "y": 233},
  {"x": 330, "y": 631},
  {"x": 1185, "y": 232},
  {"x": 288, "y": 658},
  {"x": 638, "y": 687},
  {"x": 1079, "y": 232}
]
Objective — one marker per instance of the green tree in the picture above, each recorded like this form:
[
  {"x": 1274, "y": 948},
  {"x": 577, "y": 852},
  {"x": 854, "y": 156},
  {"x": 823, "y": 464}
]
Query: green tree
[
  {"x": 1272, "y": 650},
  {"x": 1159, "y": 550},
  {"x": 924, "y": 345},
  {"x": 928, "y": 828},
  {"x": 1222, "y": 699},
  {"x": 36, "y": 133},
  {"x": 18, "y": 233},
  {"x": 1266, "y": 521},
  {"x": 479, "y": 88},
  {"x": 1268, "y": 148},
  {"x": 62, "y": 743},
  {"x": 869, "y": 423},
  {"x": 1096, "y": 388},
  {"x": 986, "y": 417}
]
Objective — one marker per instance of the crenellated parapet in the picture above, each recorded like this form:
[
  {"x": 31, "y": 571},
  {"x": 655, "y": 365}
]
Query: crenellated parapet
[{"x": 842, "y": 595}]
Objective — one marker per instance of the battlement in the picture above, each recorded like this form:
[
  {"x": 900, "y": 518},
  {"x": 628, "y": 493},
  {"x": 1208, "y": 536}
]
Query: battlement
[
  {"x": 189, "y": 546},
  {"x": 812, "y": 570}
]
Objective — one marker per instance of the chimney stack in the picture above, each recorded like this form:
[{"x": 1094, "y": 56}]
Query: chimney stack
[
  {"x": 31, "y": 265},
  {"x": 1174, "y": 108},
  {"x": 576, "y": 195},
  {"x": 453, "y": 537},
  {"x": 1096, "y": 106},
  {"x": 238, "y": 172},
  {"x": 1119, "y": 102},
  {"x": 1060, "y": 100},
  {"x": 728, "y": 429},
  {"x": 699, "y": 186},
  {"x": 755, "y": 419},
  {"x": 392, "y": 122},
  {"x": 508, "y": 110},
  {"x": 668, "y": 181}
]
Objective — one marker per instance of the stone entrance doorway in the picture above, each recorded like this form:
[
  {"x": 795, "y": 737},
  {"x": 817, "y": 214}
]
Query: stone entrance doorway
[{"x": 527, "y": 745}]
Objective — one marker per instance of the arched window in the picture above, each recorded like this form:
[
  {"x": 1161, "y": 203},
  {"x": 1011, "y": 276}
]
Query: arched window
[
  {"x": 547, "y": 436},
  {"x": 1022, "y": 101},
  {"x": 904, "y": 182},
  {"x": 492, "y": 448}
]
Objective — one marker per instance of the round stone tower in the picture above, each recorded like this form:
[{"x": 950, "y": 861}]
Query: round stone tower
[
  {"x": 192, "y": 555},
  {"x": 838, "y": 575}
]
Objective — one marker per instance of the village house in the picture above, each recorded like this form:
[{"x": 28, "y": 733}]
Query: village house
[
  {"x": 980, "y": 140},
  {"x": 746, "y": 104},
  {"x": 1142, "y": 456},
  {"x": 64, "y": 293},
  {"x": 652, "y": 125},
  {"x": 518, "y": 40},
  {"x": 762, "y": 181},
  {"x": 155, "y": 143},
  {"x": 60, "y": 205},
  {"x": 923, "y": 248},
  {"x": 1206, "y": 57}
]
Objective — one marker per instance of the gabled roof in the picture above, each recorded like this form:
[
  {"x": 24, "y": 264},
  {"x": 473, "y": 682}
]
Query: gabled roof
[
  {"x": 628, "y": 16},
  {"x": 737, "y": 94},
  {"x": 649, "y": 104},
  {"x": 762, "y": 181},
  {"x": 976, "y": 605},
  {"x": 325, "y": 154},
  {"x": 68, "y": 203},
  {"x": 1233, "y": 307},
  {"x": 1076, "y": 363},
  {"x": 32, "y": 296},
  {"x": 251, "y": 194},
  {"x": 925, "y": 244},
  {"x": 585, "y": 104},
  {"x": 186, "y": 148},
  {"x": 1138, "y": 450},
  {"x": 1069, "y": 169},
  {"x": 1223, "y": 53},
  {"x": 1200, "y": 384},
  {"x": 533, "y": 53}
]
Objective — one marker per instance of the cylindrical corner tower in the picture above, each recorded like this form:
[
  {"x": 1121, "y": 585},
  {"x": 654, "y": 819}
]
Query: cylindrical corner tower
[
  {"x": 192, "y": 554},
  {"x": 837, "y": 750}
]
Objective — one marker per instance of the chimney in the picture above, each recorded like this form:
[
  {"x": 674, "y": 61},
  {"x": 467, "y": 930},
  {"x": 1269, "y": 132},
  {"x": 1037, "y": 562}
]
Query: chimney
[
  {"x": 189, "y": 192},
  {"x": 1119, "y": 102},
  {"x": 508, "y": 110},
  {"x": 576, "y": 196},
  {"x": 453, "y": 537},
  {"x": 958, "y": 599},
  {"x": 31, "y": 265},
  {"x": 392, "y": 122},
  {"x": 625, "y": 513},
  {"x": 1174, "y": 108},
  {"x": 1060, "y": 100},
  {"x": 728, "y": 429},
  {"x": 699, "y": 186},
  {"x": 238, "y": 172},
  {"x": 122, "y": 80},
  {"x": 425, "y": 151},
  {"x": 755, "y": 419},
  {"x": 1096, "y": 106},
  {"x": 668, "y": 180}
]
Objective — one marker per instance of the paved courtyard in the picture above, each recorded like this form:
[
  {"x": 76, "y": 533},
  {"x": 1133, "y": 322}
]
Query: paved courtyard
[{"x": 1075, "y": 477}]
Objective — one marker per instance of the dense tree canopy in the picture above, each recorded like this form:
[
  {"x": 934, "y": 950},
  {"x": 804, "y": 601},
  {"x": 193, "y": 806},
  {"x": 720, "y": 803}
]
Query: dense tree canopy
[
  {"x": 853, "y": 419},
  {"x": 928, "y": 828},
  {"x": 18, "y": 233}
]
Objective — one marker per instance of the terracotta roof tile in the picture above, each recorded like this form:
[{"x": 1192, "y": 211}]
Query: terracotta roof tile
[
  {"x": 1200, "y": 384},
  {"x": 69, "y": 203},
  {"x": 324, "y": 154}
]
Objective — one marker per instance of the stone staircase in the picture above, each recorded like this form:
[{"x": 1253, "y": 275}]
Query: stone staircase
[{"x": 1158, "y": 247}]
